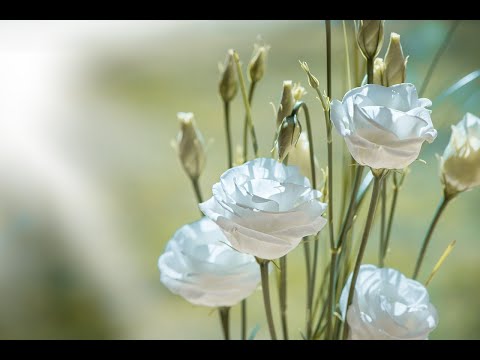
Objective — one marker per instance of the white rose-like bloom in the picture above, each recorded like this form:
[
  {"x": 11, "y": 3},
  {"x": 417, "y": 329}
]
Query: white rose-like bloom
[
  {"x": 384, "y": 127},
  {"x": 265, "y": 207},
  {"x": 199, "y": 265},
  {"x": 460, "y": 163},
  {"x": 387, "y": 306}
]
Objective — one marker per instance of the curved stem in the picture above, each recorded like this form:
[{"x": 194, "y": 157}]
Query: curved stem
[
  {"x": 226, "y": 110},
  {"x": 244, "y": 319},
  {"x": 198, "y": 192},
  {"x": 245, "y": 123},
  {"x": 283, "y": 295},
  {"x": 224, "y": 312},
  {"x": 266, "y": 296},
  {"x": 437, "y": 57},
  {"x": 241, "y": 80},
  {"x": 377, "y": 185},
  {"x": 443, "y": 204}
]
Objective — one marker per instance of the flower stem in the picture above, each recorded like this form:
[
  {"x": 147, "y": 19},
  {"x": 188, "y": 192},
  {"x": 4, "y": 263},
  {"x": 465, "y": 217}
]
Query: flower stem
[
  {"x": 377, "y": 185},
  {"x": 241, "y": 80},
  {"x": 283, "y": 295},
  {"x": 384, "y": 245},
  {"x": 224, "y": 312},
  {"x": 226, "y": 110},
  {"x": 443, "y": 204},
  {"x": 370, "y": 71},
  {"x": 198, "y": 192},
  {"x": 266, "y": 296},
  {"x": 245, "y": 123},
  {"x": 383, "y": 216},
  {"x": 244, "y": 319},
  {"x": 437, "y": 57}
]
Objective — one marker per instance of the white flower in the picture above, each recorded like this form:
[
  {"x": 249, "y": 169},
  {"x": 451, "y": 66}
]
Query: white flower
[
  {"x": 199, "y": 265},
  {"x": 384, "y": 127},
  {"x": 460, "y": 163},
  {"x": 265, "y": 208},
  {"x": 388, "y": 306}
]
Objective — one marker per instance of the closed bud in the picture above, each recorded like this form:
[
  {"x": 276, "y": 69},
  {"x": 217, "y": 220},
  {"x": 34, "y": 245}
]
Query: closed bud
[
  {"x": 395, "y": 62},
  {"x": 228, "y": 85},
  {"x": 287, "y": 102},
  {"x": 370, "y": 37},
  {"x": 379, "y": 72},
  {"x": 460, "y": 162},
  {"x": 312, "y": 80},
  {"x": 190, "y": 146},
  {"x": 288, "y": 134},
  {"x": 256, "y": 67},
  {"x": 298, "y": 91}
]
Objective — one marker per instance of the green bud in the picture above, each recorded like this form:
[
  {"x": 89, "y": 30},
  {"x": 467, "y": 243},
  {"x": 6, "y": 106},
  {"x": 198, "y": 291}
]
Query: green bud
[
  {"x": 395, "y": 62},
  {"x": 256, "y": 67},
  {"x": 312, "y": 80},
  {"x": 370, "y": 37},
  {"x": 287, "y": 102},
  {"x": 190, "y": 146},
  {"x": 228, "y": 85},
  {"x": 288, "y": 133}
]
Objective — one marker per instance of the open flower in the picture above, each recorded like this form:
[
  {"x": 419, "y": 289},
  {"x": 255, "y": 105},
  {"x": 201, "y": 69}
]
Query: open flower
[
  {"x": 460, "y": 163},
  {"x": 384, "y": 127},
  {"x": 265, "y": 207},
  {"x": 199, "y": 265},
  {"x": 387, "y": 306}
]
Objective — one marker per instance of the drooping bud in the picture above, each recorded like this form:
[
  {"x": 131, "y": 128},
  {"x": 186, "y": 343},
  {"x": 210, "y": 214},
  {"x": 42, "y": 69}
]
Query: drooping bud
[
  {"x": 298, "y": 91},
  {"x": 190, "y": 146},
  {"x": 395, "y": 62},
  {"x": 287, "y": 102},
  {"x": 288, "y": 134},
  {"x": 256, "y": 67},
  {"x": 370, "y": 37},
  {"x": 379, "y": 72},
  {"x": 228, "y": 85},
  {"x": 460, "y": 162}
]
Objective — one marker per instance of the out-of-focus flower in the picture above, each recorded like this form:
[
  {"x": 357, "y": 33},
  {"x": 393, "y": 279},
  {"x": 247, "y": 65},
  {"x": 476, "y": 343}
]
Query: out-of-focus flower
[
  {"x": 190, "y": 146},
  {"x": 384, "y": 127},
  {"x": 460, "y": 162},
  {"x": 298, "y": 91},
  {"x": 387, "y": 306},
  {"x": 265, "y": 208},
  {"x": 300, "y": 155},
  {"x": 256, "y": 67},
  {"x": 228, "y": 85},
  {"x": 395, "y": 62},
  {"x": 199, "y": 265},
  {"x": 379, "y": 72},
  {"x": 370, "y": 37}
]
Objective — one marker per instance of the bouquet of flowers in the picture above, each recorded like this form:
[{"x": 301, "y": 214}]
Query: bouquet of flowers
[{"x": 262, "y": 208}]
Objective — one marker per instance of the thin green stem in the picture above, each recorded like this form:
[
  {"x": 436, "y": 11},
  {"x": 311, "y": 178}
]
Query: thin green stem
[
  {"x": 283, "y": 296},
  {"x": 245, "y": 123},
  {"x": 347, "y": 55},
  {"x": 308, "y": 314},
  {"x": 328, "y": 34},
  {"x": 377, "y": 185},
  {"x": 384, "y": 250},
  {"x": 266, "y": 296},
  {"x": 244, "y": 319},
  {"x": 370, "y": 71},
  {"x": 437, "y": 57},
  {"x": 226, "y": 111},
  {"x": 224, "y": 312},
  {"x": 198, "y": 192},
  {"x": 441, "y": 207},
  {"x": 241, "y": 80},
  {"x": 383, "y": 216}
]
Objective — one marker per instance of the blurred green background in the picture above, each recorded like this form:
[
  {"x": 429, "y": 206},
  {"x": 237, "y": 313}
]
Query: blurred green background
[{"x": 91, "y": 189}]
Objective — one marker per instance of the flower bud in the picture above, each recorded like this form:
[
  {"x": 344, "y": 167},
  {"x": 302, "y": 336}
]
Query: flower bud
[
  {"x": 190, "y": 146},
  {"x": 370, "y": 37},
  {"x": 460, "y": 162},
  {"x": 288, "y": 134},
  {"x": 395, "y": 62},
  {"x": 287, "y": 102},
  {"x": 228, "y": 85},
  {"x": 379, "y": 72},
  {"x": 256, "y": 67},
  {"x": 298, "y": 91},
  {"x": 312, "y": 80}
]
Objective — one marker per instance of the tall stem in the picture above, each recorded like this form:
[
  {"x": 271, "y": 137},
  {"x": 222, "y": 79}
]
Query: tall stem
[
  {"x": 244, "y": 319},
  {"x": 443, "y": 204},
  {"x": 377, "y": 185},
  {"x": 198, "y": 192},
  {"x": 245, "y": 123},
  {"x": 383, "y": 216},
  {"x": 283, "y": 295},
  {"x": 241, "y": 80},
  {"x": 224, "y": 312},
  {"x": 266, "y": 296},
  {"x": 226, "y": 110},
  {"x": 384, "y": 249},
  {"x": 370, "y": 71}
]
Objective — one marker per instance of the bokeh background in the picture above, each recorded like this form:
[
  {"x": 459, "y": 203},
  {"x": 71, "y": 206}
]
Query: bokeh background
[{"x": 91, "y": 189}]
